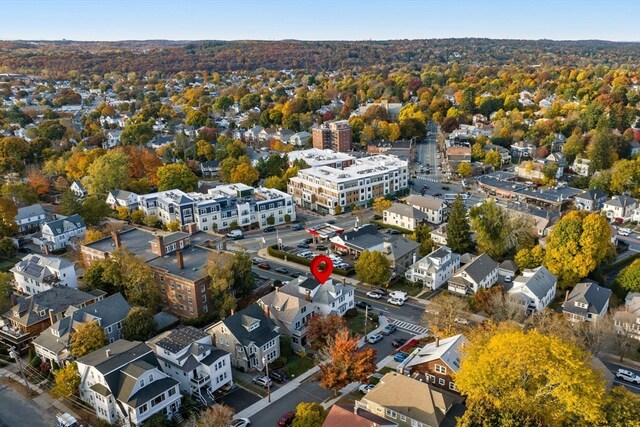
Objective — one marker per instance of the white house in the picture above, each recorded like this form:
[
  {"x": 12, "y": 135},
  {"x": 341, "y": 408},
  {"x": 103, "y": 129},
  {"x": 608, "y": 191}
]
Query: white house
[
  {"x": 330, "y": 297},
  {"x": 118, "y": 198},
  {"x": 404, "y": 216},
  {"x": 188, "y": 356},
  {"x": 533, "y": 290},
  {"x": 57, "y": 234},
  {"x": 113, "y": 139},
  {"x": 124, "y": 385},
  {"x": 299, "y": 139},
  {"x": 434, "y": 269},
  {"x": 30, "y": 218},
  {"x": 38, "y": 273},
  {"x": 627, "y": 318},
  {"x": 620, "y": 208},
  {"x": 78, "y": 189},
  {"x": 435, "y": 209},
  {"x": 581, "y": 166},
  {"x": 480, "y": 273}
]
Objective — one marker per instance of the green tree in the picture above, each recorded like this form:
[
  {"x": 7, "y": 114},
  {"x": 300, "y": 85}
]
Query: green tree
[
  {"x": 139, "y": 325},
  {"x": 137, "y": 217},
  {"x": 109, "y": 172},
  {"x": 578, "y": 243},
  {"x": 373, "y": 268},
  {"x": 176, "y": 176},
  {"x": 6, "y": 280},
  {"x": 309, "y": 415},
  {"x": 8, "y": 211},
  {"x": 458, "y": 229},
  {"x": 271, "y": 220},
  {"x": 87, "y": 338},
  {"x": 21, "y": 193},
  {"x": 67, "y": 382},
  {"x": 601, "y": 151},
  {"x": 275, "y": 182},
  {"x": 629, "y": 277},
  {"x": 137, "y": 133},
  {"x": 464, "y": 169},
  {"x": 8, "y": 249},
  {"x": 422, "y": 235},
  {"x": 94, "y": 210}
]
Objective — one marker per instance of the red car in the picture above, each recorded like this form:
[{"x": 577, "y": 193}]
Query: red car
[
  {"x": 286, "y": 419},
  {"x": 264, "y": 266}
]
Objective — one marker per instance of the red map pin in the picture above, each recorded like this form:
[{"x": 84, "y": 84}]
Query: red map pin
[{"x": 321, "y": 275}]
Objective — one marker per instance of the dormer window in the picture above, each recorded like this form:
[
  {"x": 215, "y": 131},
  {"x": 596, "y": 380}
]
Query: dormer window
[
  {"x": 55, "y": 333},
  {"x": 581, "y": 304}
]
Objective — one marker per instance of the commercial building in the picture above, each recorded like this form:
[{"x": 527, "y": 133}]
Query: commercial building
[
  {"x": 330, "y": 190},
  {"x": 319, "y": 157},
  {"x": 334, "y": 135}
]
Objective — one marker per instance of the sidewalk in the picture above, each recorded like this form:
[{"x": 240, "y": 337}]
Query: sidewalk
[{"x": 292, "y": 385}]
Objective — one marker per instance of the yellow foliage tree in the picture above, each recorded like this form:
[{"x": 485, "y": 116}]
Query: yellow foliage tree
[
  {"x": 380, "y": 204},
  {"x": 532, "y": 373},
  {"x": 244, "y": 173},
  {"x": 87, "y": 338}
]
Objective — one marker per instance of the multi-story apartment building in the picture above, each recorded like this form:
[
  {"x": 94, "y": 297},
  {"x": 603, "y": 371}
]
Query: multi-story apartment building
[
  {"x": 318, "y": 157},
  {"x": 221, "y": 207},
  {"x": 330, "y": 190},
  {"x": 434, "y": 269},
  {"x": 334, "y": 135},
  {"x": 38, "y": 273},
  {"x": 176, "y": 259}
]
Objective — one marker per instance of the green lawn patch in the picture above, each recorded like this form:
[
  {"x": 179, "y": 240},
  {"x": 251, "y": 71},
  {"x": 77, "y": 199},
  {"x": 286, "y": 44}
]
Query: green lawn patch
[
  {"x": 356, "y": 324},
  {"x": 406, "y": 286},
  {"x": 386, "y": 370},
  {"x": 297, "y": 365},
  {"x": 6, "y": 264}
]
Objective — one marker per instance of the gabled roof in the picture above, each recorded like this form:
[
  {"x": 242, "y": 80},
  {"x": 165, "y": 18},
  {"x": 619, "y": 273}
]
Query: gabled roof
[
  {"x": 588, "y": 292},
  {"x": 340, "y": 416},
  {"x": 538, "y": 280},
  {"x": 621, "y": 201},
  {"x": 116, "y": 355},
  {"x": 60, "y": 226},
  {"x": 178, "y": 339},
  {"x": 121, "y": 194},
  {"x": 407, "y": 211},
  {"x": 56, "y": 299},
  {"x": 445, "y": 350},
  {"x": 430, "y": 203},
  {"x": 399, "y": 247},
  {"x": 29, "y": 211},
  {"x": 284, "y": 307},
  {"x": 479, "y": 268},
  {"x": 238, "y": 324},
  {"x": 592, "y": 194}
]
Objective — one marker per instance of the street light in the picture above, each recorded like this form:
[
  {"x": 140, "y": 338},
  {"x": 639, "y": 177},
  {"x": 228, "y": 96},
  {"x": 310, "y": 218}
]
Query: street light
[{"x": 266, "y": 365}]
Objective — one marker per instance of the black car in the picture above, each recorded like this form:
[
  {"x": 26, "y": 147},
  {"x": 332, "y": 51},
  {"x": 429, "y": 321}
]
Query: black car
[
  {"x": 380, "y": 291},
  {"x": 277, "y": 376},
  {"x": 377, "y": 217},
  {"x": 446, "y": 187},
  {"x": 331, "y": 221},
  {"x": 425, "y": 187},
  {"x": 282, "y": 270},
  {"x": 364, "y": 305},
  {"x": 398, "y": 342},
  {"x": 308, "y": 240},
  {"x": 297, "y": 227},
  {"x": 269, "y": 229},
  {"x": 303, "y": 245},
  {"x": 437, "y": 195},
  {"x": 321, "y": 248},
  {"x": 295, "y": 275}
]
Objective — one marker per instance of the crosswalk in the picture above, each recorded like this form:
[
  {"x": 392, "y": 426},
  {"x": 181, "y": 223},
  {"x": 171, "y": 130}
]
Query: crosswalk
[
  {"x": 427, "y": 178},
  {"x": 409, "y": 327}
]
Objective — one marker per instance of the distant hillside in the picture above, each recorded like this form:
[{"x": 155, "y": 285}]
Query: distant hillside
[{"x": 169, "y": 56}]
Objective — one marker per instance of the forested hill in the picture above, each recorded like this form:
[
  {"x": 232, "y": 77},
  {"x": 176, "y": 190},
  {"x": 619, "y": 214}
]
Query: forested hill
[{"x": 59, "y": 57}]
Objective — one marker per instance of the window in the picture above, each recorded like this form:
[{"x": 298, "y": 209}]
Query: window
[
  {"x": 441, "y": 369},
  {"x": 441, "y": 381},
  {"x": 403, "y": 418},
  {"x": 143, "y": 408},
  {"x": 150, "y": 378},
  {"x": 172, "y": 391},
  {"x": 391, "y": 413},
  {"x": 141, "y": 382},
  {"x": 109, "y": 330},
  {"x": 452, "y": 385}
]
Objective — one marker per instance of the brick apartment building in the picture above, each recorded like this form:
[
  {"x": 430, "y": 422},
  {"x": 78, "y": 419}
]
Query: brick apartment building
[
  {"x": 177, "y": 260},
  {"x": 334, "y": 135}
]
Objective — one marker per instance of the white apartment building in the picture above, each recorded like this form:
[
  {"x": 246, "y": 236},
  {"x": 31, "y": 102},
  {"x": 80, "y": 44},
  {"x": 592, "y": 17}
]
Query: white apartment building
[
  {"x": 221, "y": 206},
  {"x": 404, "y": 216},
  {"x": 435, "y": 269},
  {"x": 318, "y": 157},
  {"x": 38, "y": 273},
  {"x": 434, "y": 208},
  {"x": 325, "y": 189}
]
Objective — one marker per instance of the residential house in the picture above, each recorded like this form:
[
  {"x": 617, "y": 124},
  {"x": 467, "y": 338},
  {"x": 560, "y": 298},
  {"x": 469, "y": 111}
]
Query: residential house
[
  {"x": 357, "y": 240},
  {"x": 634, "y": 149},
  {"x": 627, "y": 318},
  {"x": 533, "y": 290},
  {"x": 403, "y": 216},
  {"x": 439, "y": 235},
  {"x": 619, "y": 208},
  {"x": 480, "y": 273},
  {"x": 249, "y": 336},
  {"x": 587, "y": 302},
  {"x": 590, "y": 200},
  {"x": 505, "y": 155},
  {"x": 508, "y": 268},
  {"x": 457, "y": 155},
  {"x": 560, "y": 160},
  {"x": 124, "y": 385},
  {"x": 438, "y": 361},
  {"x": 581, "y": 166},
  {"x": 401, "y": 253},
  {"x": 558, "y": 142},
  {"x": 33, "y": 314},
  {"x": 210, "y": 168},
  {"x": 523, "y": 149},
  {"x": 117, "y": 198},
  {"x": 434, "y": 208},
  {"x": 253, "y": 134},
  {"x": 113, "y": 139},
  {"x": 266, "y": 134},
  {"x": 435, "y": 269},
  {"x": 187, "y": 355},
  {"x": 329, "y": 298},
  {"x": 408, "y": 401},
  {"x": 60, "y": 233},
  {"x": 340, "y": 416},
  {"x": 38, "y": 273},
  {"x": 290, "y": 313},
  {"x": 53, "y": 344},
  {"x": 299, "y": 139},
  {"x": 78, "y": 189},
  {"x": 30, "y": 218}
]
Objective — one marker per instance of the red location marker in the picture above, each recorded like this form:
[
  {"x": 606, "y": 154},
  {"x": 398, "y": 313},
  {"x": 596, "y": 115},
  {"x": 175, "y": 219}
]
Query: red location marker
[{"x": 321, "y": 275}]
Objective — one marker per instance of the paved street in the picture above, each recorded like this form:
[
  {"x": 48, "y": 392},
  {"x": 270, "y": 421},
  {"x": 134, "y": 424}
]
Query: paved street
[
  {"x": 15, "y": 410},
  {"x": 613, "y": 367}
]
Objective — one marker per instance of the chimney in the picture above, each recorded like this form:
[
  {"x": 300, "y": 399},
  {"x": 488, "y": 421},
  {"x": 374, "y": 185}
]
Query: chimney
[
  {"x": 267, "y": 311},
  {"x": 566, "y": 296},
  {"x": 233, "y": 311},
  {"x": 116, "y": 239},
  {"x": 437, "y": 342},
  {"x": 108, "y": 351},
  {"x": 157, "y": 246},
  {"x": 308, "y": 296},
  {"x": 180, "y": 260},
  {"x": 52, "y": 319}
]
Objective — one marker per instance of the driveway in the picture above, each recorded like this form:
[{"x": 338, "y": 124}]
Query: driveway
[
  {"x": 239, "y": 399},
  {"x": 15, "y": 410}
]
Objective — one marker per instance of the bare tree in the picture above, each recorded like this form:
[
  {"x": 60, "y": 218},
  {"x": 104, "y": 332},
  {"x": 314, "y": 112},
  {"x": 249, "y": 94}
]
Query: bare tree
[
  {"x": 442, "y": 312},
  {"x": 500, "y": 309},
  {"x": 215, "y": 416}
]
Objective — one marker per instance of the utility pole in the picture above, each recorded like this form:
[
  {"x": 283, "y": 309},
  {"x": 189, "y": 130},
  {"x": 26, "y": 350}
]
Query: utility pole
[
  {"x": 366, "y": 316},
  {"x": 16, "y": 357},
  {"x": 266, "y": 365}
]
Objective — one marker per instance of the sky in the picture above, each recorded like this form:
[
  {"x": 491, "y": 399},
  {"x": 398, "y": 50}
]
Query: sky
[{"x": 616, "y": 20}]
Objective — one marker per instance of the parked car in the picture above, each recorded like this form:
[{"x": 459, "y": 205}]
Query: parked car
[
  {"x": 396, "y": 301},
  {"x": 364, "y": 305},
  {"x": 282, "y": 270},
  {"x": 374, "y": 338},
  {"x": 398, "y": 342},
  {"x": 262, "y": 380},
  {"x": 241, "y": 422},
  {"x": 256, "y": 260},
  {"x": 277, "y": 376},
  {"x": 297, "y": 227},
  {"x": 308, "y": 240},
  {"x": 365, "y": 388},
  {"x": 295, "y": 275},
  {"x": 381, "y": 291},
  {"x": 321, "y": 248},
  {"x": 269, "y": 229},
  {"x": 287, "y": 419},
  {"x": 628, "y": 376},
  {"x": 446, "y": 188},
  {"x": 437, "y": 194},
  {"x": 331, "y": 221},
  {"x": 377, "y": 217},
  {"x": 374, "y": 295},
  {"x": 389, "y": 329},
  {"x": 264, "y": 266},
  {"x": 303, "y": 245},
  {"x": 461, "y": 320},
  {"x": 507, "y": 278},
  {"x": 400, "y": 356}
]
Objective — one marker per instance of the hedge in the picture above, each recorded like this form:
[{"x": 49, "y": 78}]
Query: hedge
[{"x": 274, "y": 252}]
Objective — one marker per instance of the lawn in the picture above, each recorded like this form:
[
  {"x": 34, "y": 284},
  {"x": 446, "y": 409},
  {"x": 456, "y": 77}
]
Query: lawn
[
  {"x": 406, "y": 286},
  {"x": 297, "y": 366},
  {"x": 356, "y": 324},
  {"x": 6, "y": 264}
]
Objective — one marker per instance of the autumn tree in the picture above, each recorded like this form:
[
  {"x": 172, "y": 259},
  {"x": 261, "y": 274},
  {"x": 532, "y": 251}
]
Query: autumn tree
[
  {"x": 87, "y": 338},
  {"x": 464, "y": 169},
  {"x": 621, "y": 408},
  {"x": 483, "y": 413},
  {"x": 244, "y": 173},
  {"x": 275, "y": 182},
  {"x": 217, "y": 415},
  {"x": 341, "y": 362},
  {"x": 442, "y": 313},
  {"x": 231, "y": 277},
  {"x": 66, "y": 381},
  {"x": 309, "y": 415},
  {"x": 320, "y": 328},
  {"x": 39, "y": 182},
  {"x": 139, "y": 325},
  {"x": 381, "y": 204},
  {"x": 625, "y": 177},
  {"x": 373, "y": 268},
  {"x": 204, "y": 150},
  {"x": 109, "y": 172},
  {"x": 531, "y": 373},
  {"x": 578, "y": 243},
  {"x": 458, "y": 229},
  {"x": 92, "y": 235},
  {"x": 629, "y": 278},
  {"x": 143, "y": 164},
  {"x": 529, "y": 258},
  {"x": 176, "y": 176},
  {"x": 493, "y": 158},
  {"x": 8, "y": 211}
]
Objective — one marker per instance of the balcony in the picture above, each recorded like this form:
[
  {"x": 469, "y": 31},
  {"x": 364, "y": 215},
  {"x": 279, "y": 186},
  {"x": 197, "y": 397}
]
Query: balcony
[
  {"x": 299, "y": 332},
  {"x": 198, "y": 382}
]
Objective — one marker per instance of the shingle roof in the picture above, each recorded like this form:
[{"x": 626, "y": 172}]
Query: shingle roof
[
  {"x": 121, "y": 353},
  {"x": 56, "y": 299},
  {"x": 430, "y": 203},
  {"x": 181, "y": 338},
  {"x": 239, "y": 322},
  {"x": 29, "y": 211},
  {"x": 445, "y": 350},
  {"x": 407, "y": 211},
  {"x": 62, "y": 225},
  {"x": 538, "y": 280},
  {"x": 588, "y": 292},
  {"x": 480, "y": 267}
]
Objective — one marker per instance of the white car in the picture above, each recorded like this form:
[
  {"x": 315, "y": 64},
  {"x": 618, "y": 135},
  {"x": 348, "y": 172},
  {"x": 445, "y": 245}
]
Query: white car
[
  {"x": 365, "y": 388},
  {"x": 461, "y": 320},
  {"x": 374, "y": 338},
  {"x": 374, "y": 295},
  {"x": 241, "y": 422},
  {"x": 396, "y": 301},
  {"x": 628, "y": 376}
]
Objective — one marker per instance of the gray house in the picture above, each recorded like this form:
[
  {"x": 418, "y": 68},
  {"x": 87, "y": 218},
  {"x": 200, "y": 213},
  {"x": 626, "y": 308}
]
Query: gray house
[
  {"x": 30, "y": 218},
  {"x": 590, "y": 200},
  {"x": 481, "y": 273},
  {"x": 587, "y": 302},
  {"x": 53, "y": 343}
]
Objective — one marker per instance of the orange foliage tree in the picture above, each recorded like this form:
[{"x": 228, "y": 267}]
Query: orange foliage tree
[{"x": 321, "y": 328}]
